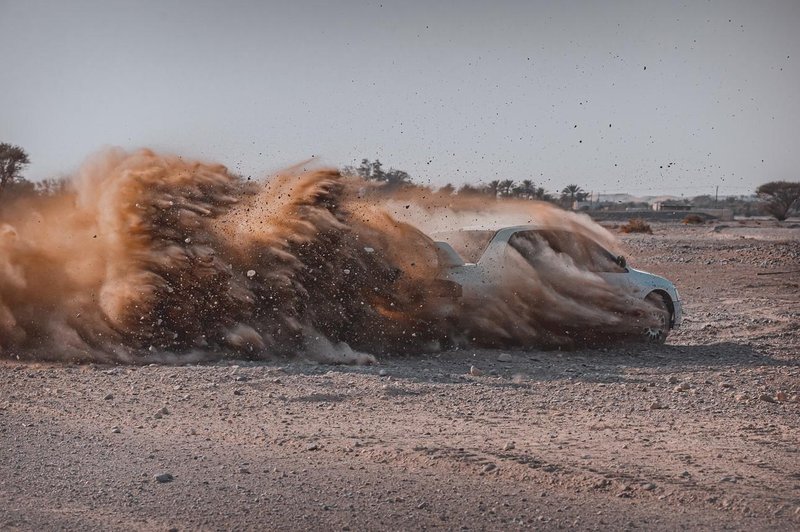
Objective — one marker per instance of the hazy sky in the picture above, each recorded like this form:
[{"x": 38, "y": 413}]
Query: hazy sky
[{"x": 603, "y": 94}]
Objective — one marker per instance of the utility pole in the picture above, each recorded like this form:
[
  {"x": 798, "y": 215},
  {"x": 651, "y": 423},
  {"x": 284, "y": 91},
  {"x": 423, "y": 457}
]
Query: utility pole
[{"x": 716, "y": 196}]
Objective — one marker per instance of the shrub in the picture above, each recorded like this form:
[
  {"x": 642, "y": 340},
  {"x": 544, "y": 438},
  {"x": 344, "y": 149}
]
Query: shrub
[
  {"x": 693, "y": 219},
  {"x": 636, "y": 225},
  {"x": 781, "y": 197}
]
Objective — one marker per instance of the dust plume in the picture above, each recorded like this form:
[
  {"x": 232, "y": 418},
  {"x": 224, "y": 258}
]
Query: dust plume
[
  {"x": 550, "y": 292},
  {"x": 149, "y": 257}
]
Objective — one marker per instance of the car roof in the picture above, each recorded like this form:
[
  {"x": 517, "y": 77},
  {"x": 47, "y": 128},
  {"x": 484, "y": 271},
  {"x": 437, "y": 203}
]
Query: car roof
[{"x": 492, "y": 227}]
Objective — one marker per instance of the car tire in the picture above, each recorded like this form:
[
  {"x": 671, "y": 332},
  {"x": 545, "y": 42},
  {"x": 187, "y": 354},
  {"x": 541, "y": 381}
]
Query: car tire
[{"x": 661, "y": 314}]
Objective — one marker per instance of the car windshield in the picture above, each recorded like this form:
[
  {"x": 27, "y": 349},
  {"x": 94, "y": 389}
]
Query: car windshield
[
  {"x": 581, "y": 250},
  {"x": 470, "y": 245}
]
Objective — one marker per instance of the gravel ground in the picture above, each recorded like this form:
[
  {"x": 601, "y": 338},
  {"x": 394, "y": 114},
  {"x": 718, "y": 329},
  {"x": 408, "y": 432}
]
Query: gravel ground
[{"x": 701, "y": 433}]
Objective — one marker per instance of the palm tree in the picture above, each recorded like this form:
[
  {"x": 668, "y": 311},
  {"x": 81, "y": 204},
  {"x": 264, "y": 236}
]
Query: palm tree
[
  {"x": 505, "y": 186},
  {"x": 468, "y": 189},
  {"x": 570, "y": 193},
  {"x": 526, "y": 189}
]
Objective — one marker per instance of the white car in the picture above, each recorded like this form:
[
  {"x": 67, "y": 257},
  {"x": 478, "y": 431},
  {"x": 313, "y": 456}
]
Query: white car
[{"x": 474, "y": 259}]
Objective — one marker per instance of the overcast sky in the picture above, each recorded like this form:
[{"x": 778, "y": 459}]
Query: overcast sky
[{"x": 641, "y": 97}]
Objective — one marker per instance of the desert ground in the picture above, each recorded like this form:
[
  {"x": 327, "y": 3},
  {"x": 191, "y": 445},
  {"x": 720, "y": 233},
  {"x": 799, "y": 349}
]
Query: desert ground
[{"x": 701, "y": 433}]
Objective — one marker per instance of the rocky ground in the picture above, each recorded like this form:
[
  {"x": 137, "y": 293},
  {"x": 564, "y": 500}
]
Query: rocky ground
[{"x": 701, "y": 433}]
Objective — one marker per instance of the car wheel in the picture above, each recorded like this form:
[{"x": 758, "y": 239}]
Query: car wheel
[{"x": 658, "y": 332}]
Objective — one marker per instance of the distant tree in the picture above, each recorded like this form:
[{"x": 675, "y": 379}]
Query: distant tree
[
  {"x": 12, "y": 160},
  {"x": 447, "y": 190},
  {"x": 571, "y": 193},
  {"x": 364, "y": 170},
  {"x": 542, "y": 195},
  {"x": 376, "y": 171},
  {"x": 51, "y": 187},
  {"x": 525, "y": 190},
  {"x": 466, "y": 190},
  {"x": 396, "y": 177},
  {"x": 780, "y": 197},
  {"x": 492, "y": 188},
  {"x": 373, "y": 171},
  {"x": 505, "y": 188}
]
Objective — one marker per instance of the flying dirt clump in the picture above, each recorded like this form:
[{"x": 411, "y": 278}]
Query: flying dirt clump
[{"x": 148, "y": 257}]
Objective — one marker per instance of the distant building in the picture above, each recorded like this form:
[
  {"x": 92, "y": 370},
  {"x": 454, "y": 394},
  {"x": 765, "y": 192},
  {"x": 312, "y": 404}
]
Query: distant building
[
  {"x": 583, "y": 205},
  {"x": 670, "y": 206}
]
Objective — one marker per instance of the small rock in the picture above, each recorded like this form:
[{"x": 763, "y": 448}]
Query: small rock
[
  {"x": 241, "y": 378},
  {"x": 781, "y": 397},
  {"x": 504, "y": 357},
  {"x": 475, "y": 372},
  {"x": 109, "y": 396},
  {"x": 251, "y": 273},
  {"x": 725, "y": 385},
  {"x": 164, "y": 477},
  {"x": 157, "y": 415},
  {"x": 682, "y": 387},
  {"x": 657, "y": 406},
  {"x": 767, "y": 397},
  {"x": 164, "y": 410},
  {"x": 489, "y": 467},
  {"x": 312, "y": 447},
  {"x": 237, "y": 392},
  {"x": 383, "y": 373},
  {"x": 115, "y": 430},
  {"x": 649, "y": 486},
  {"x": 508, "y": 446},
  {"x": 673, "y": 380}
]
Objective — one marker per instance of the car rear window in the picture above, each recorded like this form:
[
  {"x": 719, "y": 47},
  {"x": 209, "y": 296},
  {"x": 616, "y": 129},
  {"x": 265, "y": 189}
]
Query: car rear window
[{"x": 470, "y": 245}]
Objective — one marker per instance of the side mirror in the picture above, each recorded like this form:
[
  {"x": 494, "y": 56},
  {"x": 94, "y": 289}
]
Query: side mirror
[{"x": 622, "y": 262}]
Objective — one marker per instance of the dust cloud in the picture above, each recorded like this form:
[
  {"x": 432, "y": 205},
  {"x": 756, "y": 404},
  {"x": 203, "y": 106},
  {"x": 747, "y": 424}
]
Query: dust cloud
[{"x": 146, "y": 257}]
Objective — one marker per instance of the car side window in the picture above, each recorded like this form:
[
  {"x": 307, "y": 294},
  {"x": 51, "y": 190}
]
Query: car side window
[
  {"x": 530, "y": 245},
  {"x": 583, "y": 251}
]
